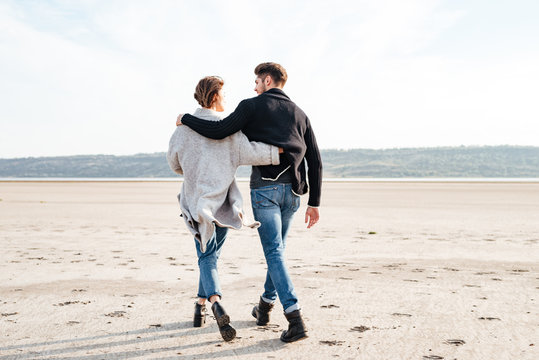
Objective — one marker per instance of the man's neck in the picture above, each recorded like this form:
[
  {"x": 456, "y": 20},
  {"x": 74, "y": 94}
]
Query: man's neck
[{"x": 274, "y": 87}]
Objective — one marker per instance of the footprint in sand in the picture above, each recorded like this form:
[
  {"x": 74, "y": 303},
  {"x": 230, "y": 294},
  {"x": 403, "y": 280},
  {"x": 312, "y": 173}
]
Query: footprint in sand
[
  {"x": 330, "y": 306},
  {"x": 456, "y": 342},
  {"x": 268, "y": 327},
  {"x": 116, "y": 314},
  {"x": 9, "y": 314},
  {"x": 518, "y": 271},
  {"x": 331, "y": 342},
  {"x": 72, "y": 303},
  {"x": 360, "y": 328}
]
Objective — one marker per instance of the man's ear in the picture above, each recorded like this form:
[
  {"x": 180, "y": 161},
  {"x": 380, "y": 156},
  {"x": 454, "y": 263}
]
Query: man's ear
[{"x": 268, "y": 80}]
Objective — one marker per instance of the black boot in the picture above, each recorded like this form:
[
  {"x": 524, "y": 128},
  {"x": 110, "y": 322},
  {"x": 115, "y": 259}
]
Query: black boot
[
  {"x": 200, "y": 315},
  {"x": 261, "y": 312},
  {"x": 296, "y": 328},
  {"x": 223, "y": 321}
]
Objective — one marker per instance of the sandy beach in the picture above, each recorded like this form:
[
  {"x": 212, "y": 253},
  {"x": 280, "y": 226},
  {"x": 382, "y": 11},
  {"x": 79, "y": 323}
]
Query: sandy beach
[{"x": 107, "y": 270}]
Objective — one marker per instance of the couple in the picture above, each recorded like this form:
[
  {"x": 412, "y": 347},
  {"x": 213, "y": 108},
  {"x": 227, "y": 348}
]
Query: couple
[{"x": 274, "y": 135}]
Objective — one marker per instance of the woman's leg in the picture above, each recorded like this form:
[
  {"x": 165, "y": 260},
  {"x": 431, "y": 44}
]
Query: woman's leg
[
  {"x": 209, "y": 286},
  {"x": 207, "y": 263}
]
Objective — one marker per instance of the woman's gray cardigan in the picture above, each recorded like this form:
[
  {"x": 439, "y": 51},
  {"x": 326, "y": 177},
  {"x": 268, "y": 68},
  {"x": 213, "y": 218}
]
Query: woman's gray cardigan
[{"x": 209, "y": 192}]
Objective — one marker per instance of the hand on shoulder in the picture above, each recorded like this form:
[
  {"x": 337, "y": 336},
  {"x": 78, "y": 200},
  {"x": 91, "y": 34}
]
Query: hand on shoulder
[{"x": 179, "y": 120}]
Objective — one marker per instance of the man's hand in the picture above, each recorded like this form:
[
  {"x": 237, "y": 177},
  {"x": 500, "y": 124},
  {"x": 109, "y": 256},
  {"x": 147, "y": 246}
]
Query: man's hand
[
  {"x": 179, "y": 120},
  {"x": 281, "y": 150},
  {"x": 311, "y": 216}
]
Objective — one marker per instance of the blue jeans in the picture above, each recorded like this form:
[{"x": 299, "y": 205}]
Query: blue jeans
[
  {"x": 274, "y": 206},
  {"x": 208, "y": 281}
]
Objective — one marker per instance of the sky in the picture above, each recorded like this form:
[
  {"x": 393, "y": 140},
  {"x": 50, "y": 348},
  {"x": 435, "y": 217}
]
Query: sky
[{"x": 110, "y": 77}]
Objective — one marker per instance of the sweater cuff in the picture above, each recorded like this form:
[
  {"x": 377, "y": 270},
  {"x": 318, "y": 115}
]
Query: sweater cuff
[
  {"x": 314, "y": 201},
  {"x": 275, "y": 156}
]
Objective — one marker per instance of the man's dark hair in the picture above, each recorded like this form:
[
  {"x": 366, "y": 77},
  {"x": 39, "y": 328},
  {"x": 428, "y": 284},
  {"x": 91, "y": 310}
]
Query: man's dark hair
[{"x": 275, "y": 71}]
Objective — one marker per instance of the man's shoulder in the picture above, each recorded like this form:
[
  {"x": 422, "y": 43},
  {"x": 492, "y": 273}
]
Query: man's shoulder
[{"x": 248, "y": 103}]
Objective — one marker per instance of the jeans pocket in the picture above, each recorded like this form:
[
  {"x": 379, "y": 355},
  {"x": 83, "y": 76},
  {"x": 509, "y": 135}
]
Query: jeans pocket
[
  {"x": 264, "y": 197},
  {"x": 295, "y": 203}
]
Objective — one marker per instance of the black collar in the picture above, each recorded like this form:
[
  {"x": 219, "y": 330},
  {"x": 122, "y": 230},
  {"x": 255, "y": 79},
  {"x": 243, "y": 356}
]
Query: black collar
[{"x": 276, "y": 91}]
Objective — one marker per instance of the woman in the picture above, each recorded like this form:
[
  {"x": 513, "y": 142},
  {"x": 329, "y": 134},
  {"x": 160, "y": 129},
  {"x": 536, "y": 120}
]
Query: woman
[{"x": 210, "y": 200}]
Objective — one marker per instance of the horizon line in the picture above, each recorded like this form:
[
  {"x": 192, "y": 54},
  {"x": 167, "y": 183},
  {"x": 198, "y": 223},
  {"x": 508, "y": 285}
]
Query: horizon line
[{"x": 322, "y": 149}]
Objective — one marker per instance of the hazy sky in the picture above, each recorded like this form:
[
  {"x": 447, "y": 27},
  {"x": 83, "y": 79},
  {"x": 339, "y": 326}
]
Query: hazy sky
[{"x": 110, "y": 77}]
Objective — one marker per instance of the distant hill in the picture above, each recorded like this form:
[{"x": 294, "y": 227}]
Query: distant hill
[{"x": 484, "y": 161}]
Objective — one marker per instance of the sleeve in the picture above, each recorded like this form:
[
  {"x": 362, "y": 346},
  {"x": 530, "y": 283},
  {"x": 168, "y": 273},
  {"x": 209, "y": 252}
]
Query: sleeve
[
  {"x": 255, "y": 153},
  {"x": 314, "y": 167},
  {"x": 172, "y": 158},
  {"x": 223, "y": 128}
]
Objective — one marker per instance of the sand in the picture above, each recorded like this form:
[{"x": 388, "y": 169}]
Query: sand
[{"x": 392, "y": 271}]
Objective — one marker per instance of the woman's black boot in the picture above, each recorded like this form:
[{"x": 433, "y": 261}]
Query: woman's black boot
[
  {"x": 223, "y": 321},
  {"x": 200, "y": 315}
]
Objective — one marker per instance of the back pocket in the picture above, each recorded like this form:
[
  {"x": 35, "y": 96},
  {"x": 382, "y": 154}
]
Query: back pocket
[{"x": 264, "y": 197}]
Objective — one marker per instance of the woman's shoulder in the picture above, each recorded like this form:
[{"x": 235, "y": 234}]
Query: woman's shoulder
[{"x": 207, "y": 114}]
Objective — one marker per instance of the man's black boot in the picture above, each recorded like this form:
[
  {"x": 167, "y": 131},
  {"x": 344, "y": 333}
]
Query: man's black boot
[
  {"x": 296, "y": 328},
  {"x": 223, "y": 321},
  {"x": 261, "y": 312}
]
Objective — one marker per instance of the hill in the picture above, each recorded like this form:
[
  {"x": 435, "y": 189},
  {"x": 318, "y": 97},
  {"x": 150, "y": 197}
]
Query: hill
[{"x": 484, "y": 161}]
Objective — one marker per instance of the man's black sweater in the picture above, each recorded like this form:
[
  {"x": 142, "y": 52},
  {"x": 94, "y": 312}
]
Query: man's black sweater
[{"x": 274, "y": 119}]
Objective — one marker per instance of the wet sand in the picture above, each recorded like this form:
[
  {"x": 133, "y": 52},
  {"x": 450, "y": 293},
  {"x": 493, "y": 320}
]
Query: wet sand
[{"x": 392, "y": 271}]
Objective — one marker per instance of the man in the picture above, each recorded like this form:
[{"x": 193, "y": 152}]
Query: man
[{"x": 273, "y": 118}]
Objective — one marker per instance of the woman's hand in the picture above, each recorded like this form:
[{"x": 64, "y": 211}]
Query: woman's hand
[
  {"x": 179, "y": 120},
  {"x": 281, "y": 150}
]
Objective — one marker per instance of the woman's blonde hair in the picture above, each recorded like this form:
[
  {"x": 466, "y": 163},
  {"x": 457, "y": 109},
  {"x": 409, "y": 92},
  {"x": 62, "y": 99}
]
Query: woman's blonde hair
[{"x": 206, "y": 90}]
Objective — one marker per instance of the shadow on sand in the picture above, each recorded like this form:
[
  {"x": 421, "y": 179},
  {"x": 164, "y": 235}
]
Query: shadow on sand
[{"x": 137, "y": 337}]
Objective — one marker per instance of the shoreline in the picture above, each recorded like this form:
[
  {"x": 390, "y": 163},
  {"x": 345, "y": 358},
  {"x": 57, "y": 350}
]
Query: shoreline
[{"x": 245, "y": 179}]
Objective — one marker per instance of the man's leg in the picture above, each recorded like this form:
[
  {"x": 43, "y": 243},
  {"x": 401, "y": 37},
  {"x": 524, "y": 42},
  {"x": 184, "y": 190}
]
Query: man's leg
[
  {"x": 268, "y": 203},
  {"x": 289, "y": 207}
]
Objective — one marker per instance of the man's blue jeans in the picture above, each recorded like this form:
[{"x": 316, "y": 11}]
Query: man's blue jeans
[
  {"x": 208, "y": 283},
  {"x": 274, "y": 206}
]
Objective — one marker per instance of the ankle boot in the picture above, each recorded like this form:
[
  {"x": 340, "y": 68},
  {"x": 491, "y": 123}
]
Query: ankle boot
[
  {"x": 261, "y": 312},
  {"x": 223, "y": 321},
  {"x": 296, "y": 327},
  {"x": 199, "y": 318}
]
